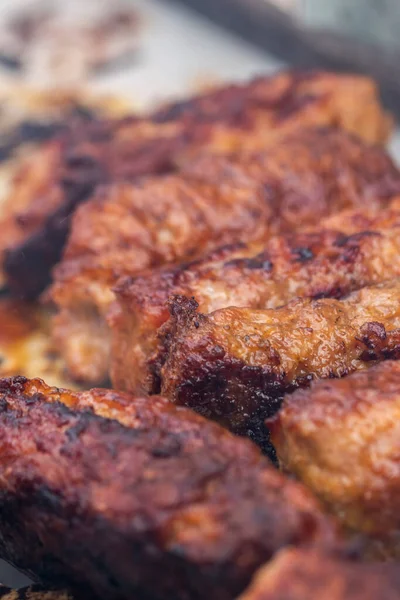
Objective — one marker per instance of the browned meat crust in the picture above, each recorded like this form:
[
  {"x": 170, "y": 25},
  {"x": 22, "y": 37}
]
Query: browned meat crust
[
  {"x": 342, "y": 438},
  {"x": 235, "y": 364},
  {"x": 316, "y": 265},
  {"x": 300, "y": 575},
  {"x": 239, "y": 116},
  {"x": 35, "y": 592},
  {"x": 303, "y": 177},
  {"x": 128, "y": 497}
]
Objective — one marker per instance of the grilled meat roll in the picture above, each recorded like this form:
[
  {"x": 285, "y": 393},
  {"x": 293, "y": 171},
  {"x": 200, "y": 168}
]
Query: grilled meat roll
[
  {"x": 129, "y": 497},
  {"x": 127, "y": 228},
  {"x": 235, "y": 364},
  {"x": 263, "y": 276},
  {"x": 306, "y": 575},
  {"x": 342, "y": 438},
  {"x": 247, "y": 116}
]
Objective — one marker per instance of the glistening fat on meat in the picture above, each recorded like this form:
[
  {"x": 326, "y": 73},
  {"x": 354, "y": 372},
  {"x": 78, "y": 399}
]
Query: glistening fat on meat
[{"x": 304, "y": 177}]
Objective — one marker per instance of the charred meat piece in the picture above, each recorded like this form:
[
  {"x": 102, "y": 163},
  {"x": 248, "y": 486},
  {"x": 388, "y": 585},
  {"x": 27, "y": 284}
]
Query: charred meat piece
[
  {"x": 342, "y": 438},
  {"x": 315, "y": 265},
  {"x": 128, "y": 228},
  {"x": 245, "y": 117},
  {"x": 306, "y": 575},
  {"x": 127, "y": 497},
  {"x": 235, "y": 364}
]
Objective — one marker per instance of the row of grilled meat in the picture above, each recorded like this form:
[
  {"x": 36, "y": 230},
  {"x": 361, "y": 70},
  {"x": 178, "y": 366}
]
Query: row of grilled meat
[
  {"x": 120, "y": 497},
  {"x": 229, "y": 254}
]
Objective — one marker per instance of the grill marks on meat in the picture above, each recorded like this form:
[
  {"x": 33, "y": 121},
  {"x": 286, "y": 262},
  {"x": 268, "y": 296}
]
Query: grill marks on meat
[
  {"x": 169, "y": 493},
  {"x": 240, "y": 116},
  {"x": 300, "y": 575},
  {"x": 126, "y": 228},
  {"x": 261, "y": 276},
  {"x": 342, "y": 439},
  {"x": 235, "y": 364}
]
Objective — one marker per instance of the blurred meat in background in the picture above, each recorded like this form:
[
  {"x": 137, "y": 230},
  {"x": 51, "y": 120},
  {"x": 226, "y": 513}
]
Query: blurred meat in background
[{"x": 64, "y": 42}]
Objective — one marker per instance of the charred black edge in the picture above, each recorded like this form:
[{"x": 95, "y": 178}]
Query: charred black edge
[
  {"x": 28, "y": 266},
  {"x": 205, "y": 386},
  {"x": 205, "y": 389}
]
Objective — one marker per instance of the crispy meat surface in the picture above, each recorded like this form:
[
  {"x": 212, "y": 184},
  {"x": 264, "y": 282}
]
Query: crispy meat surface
[
  {"x": 235, "y": 364},
  {"x": 127, "y": 497},
  {"x": 369, "y": 217},
  {"x": 316, "y": 265},
  {"x": 128, "y": 228},
  {"x": 30, "y": 116},
  {"x": 249, "y": 116},
  {"x": 306, "y": 575},
  {"x": 343, "y": 438}
]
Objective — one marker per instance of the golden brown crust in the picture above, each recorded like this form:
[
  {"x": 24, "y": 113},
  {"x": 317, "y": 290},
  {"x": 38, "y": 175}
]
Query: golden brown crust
[
  {"x": 342, "y": 438},
  {"x": 368, "y": 217},
  {"x": 235, "y": 364},
  {"x": 307, "y": 175},
  {"x": 300, "y": 575},
  {"x": 129, "y": 229},
  {"x": 214, "y": 201},
  {"x": 103, "y": 491},
  {"x": 248, "y": 117},
  {"x": 316, "y": 265}
]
